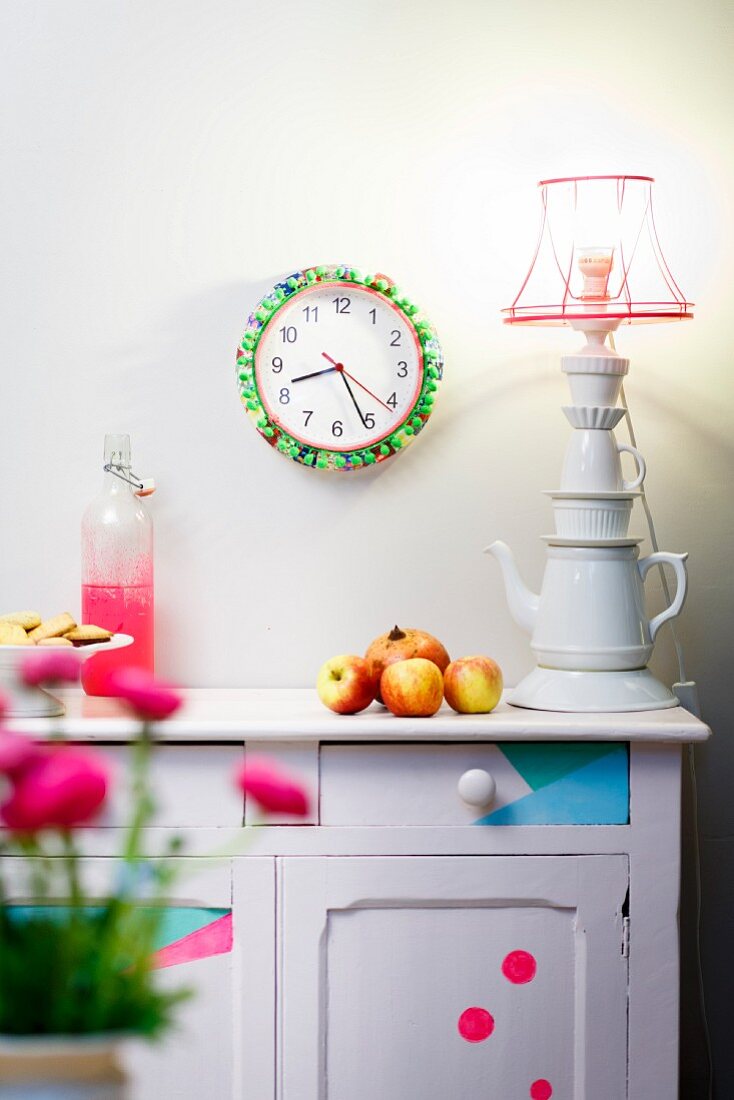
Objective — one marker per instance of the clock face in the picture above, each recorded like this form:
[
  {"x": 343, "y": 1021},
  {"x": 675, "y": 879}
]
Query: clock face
[
  {"x": 336, "y": 370},
  {"x": 339, "y": 367}
]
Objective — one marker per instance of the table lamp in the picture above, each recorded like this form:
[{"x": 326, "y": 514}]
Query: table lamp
[{"x": 597, "y": 265}]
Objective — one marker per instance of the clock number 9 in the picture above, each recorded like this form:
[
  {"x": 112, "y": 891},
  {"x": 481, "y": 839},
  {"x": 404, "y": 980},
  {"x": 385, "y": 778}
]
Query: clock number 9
[
  {"x": 277, "y": 364},
  {"x": 402, "y": 369}
]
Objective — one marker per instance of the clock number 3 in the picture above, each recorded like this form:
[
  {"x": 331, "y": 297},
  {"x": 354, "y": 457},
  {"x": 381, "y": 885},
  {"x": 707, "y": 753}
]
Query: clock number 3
[{"x": 402, "y": 369}]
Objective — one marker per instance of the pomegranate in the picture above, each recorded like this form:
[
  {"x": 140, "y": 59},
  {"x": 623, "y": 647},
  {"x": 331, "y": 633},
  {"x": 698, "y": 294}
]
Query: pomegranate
[{"x": 402, "y": 645}]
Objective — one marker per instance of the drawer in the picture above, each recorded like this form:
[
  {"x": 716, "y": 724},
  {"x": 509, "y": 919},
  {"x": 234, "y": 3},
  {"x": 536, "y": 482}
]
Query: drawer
[
  {"x": 192, "y": 785},
  {"x": 534, "y": 783}
]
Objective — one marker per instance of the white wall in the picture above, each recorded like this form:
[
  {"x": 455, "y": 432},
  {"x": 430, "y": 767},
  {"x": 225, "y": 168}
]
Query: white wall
[{"x": 165, "y": 161}]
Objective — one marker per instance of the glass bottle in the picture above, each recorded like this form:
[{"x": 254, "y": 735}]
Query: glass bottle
[{"x": 117, "y": 568}]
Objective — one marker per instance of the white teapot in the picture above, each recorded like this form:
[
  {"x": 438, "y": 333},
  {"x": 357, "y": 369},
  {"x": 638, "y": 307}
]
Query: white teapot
[{"x": 590, "y": 614}]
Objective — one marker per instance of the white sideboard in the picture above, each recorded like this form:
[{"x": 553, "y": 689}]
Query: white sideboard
[{"x": 399, "y": 943}]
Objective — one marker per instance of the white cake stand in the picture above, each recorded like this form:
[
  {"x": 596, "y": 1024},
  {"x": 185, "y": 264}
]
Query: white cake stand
[{"x": 34, "y": 702}]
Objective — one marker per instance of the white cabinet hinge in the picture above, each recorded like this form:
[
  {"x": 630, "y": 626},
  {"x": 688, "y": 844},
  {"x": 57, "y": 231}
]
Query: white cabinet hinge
[{"x": 625, "y": 937}]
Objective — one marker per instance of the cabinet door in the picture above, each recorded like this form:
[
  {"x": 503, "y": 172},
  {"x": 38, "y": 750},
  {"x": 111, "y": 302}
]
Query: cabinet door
[
  {"x": 461, "y": 977},
  {"x": 216, "y": 940},
  {"x": 222, "y": 1044}
]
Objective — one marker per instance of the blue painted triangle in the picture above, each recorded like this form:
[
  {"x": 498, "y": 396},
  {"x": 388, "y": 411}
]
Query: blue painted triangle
[{"x": 597, "y": 794}]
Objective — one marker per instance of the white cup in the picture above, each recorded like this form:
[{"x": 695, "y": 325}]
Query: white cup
[
  {"x": 595, "y": 389},
  {"x": 585, "y": 518},
  {"x": 595, "y": 379},
  {"x": 592, "y": 463}
]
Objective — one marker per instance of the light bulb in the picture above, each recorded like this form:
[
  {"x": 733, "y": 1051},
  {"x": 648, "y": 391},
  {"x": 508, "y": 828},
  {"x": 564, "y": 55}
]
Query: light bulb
[{"x": 595, "y": 264}]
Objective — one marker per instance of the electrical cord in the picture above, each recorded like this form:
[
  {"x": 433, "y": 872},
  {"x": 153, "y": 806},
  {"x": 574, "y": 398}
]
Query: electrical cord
[{"x": 687, "y": 694}]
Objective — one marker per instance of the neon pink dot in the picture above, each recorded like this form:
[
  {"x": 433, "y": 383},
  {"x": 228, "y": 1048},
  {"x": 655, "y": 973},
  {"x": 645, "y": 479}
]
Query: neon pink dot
[
  {"x": 541, "y": 1090},
  {"x": 519, "y": 967},
  {"x": 475, "y": 1025}
]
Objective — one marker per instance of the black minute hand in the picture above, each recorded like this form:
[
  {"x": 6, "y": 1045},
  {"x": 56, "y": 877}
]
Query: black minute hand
[
  {"x": 314, "y": 374},
  {"x": 354, "y": 399}
]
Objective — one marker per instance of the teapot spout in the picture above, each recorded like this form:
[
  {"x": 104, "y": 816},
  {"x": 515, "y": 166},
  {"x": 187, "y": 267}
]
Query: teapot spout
[{"x": 522, "y": 602}]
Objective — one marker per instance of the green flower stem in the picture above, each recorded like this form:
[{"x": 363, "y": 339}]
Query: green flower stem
[
  {"x": 144, "y": 806},
  {"x": 71, "y": 865}
]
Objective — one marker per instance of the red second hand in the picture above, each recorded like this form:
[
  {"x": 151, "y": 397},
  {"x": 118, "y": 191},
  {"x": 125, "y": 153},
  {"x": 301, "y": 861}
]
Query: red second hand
[{"x": 341, "y": 367}]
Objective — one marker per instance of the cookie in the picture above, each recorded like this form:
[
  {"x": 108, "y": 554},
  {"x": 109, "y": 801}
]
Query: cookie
[
  {"x": 88, "y": 634},
  {"x": 53, "y": 628},
  {"x": 54, "y": 641},
  {"x": 12, "y": 634},
  {"x": 29, "y": 620}
]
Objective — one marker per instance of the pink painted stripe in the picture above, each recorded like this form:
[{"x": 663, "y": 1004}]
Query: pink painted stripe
[{"x": 213, "y": 939}]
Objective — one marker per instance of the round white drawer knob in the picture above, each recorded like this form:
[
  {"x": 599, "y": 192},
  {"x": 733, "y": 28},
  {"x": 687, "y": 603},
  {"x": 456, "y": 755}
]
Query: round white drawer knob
[{"x": 477, "y": 787}]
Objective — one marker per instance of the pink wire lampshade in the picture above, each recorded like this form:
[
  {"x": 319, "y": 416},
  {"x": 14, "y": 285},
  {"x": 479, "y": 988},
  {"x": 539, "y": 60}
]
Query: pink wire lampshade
[{"x": 598, "y": 257}]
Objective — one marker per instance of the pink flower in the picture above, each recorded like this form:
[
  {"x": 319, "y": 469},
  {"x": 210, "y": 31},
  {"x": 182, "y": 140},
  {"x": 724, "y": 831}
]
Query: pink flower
[
  {"x": 151, "y": 700},
  {"x": 273, "y": 790},
  {"x": 16, "y": 753},
  {"x": 52, "y": 667},
  {"x": 58, "y": 789}
]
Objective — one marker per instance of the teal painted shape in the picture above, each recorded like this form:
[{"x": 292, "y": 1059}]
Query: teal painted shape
[
  {"x": 595, "y": 795},
  {"x": 540, "y": 764},
  {"x": 177, "y": 921},
  {"x": 182, "y": 920}
]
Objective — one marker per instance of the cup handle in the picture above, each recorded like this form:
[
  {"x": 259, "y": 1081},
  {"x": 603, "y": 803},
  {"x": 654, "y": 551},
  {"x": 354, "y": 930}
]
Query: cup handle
[
  {"x": 678, "y": 563},
  {"x": 627, "y": 486}
]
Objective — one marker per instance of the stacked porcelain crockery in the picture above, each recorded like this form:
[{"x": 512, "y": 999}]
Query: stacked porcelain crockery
[
  {"x": 595, "y": 500},
  {"x": 591, "y": 634}
]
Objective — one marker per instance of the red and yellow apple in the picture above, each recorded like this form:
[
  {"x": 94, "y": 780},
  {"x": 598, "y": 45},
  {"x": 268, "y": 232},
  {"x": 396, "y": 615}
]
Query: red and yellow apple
[
  {"x": 344, "y": 684},
  {"x": 473, "y": 685},
  {"x": 402, "y": 645},
  {"x": 412, "y": 688}
]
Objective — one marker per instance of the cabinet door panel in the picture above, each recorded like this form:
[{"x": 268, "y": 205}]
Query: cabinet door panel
[{"x": 463, "y": 977}]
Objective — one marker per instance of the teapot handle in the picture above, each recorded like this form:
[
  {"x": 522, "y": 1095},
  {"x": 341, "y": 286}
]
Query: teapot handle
[
  {"x": 678, "y": 563},
  {"x": 628, "y": 486}
]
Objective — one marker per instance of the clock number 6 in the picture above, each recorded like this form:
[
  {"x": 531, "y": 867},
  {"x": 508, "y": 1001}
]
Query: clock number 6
[{"x": 337, "y": 428}]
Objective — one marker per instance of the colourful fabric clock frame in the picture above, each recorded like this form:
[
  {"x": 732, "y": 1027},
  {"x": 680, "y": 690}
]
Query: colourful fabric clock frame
[{"x": 322, "y": 458}]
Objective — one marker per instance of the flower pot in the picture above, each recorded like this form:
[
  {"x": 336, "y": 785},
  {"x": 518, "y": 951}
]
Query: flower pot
[{"x": 60, "y": 1068}]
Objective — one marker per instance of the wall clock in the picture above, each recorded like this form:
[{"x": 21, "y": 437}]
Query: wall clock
[{"x": 338, "y": 370}]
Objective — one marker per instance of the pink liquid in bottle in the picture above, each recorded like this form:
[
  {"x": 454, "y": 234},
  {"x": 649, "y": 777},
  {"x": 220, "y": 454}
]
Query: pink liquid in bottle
[
  {"x": 123, "y": 609},
  {"x": 117, "y": 569}
]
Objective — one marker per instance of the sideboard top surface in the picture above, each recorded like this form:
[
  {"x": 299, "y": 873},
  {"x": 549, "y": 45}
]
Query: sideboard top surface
[{"x": 296, "y": 714}]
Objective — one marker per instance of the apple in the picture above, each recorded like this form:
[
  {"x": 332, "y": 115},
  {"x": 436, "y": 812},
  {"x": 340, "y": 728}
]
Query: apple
[
  {"x": 344, "y": 684},
  {"x": 412, "y": 688},
  {"x": 473, "y": 685},
  {"x": 401, "y": 645}
]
